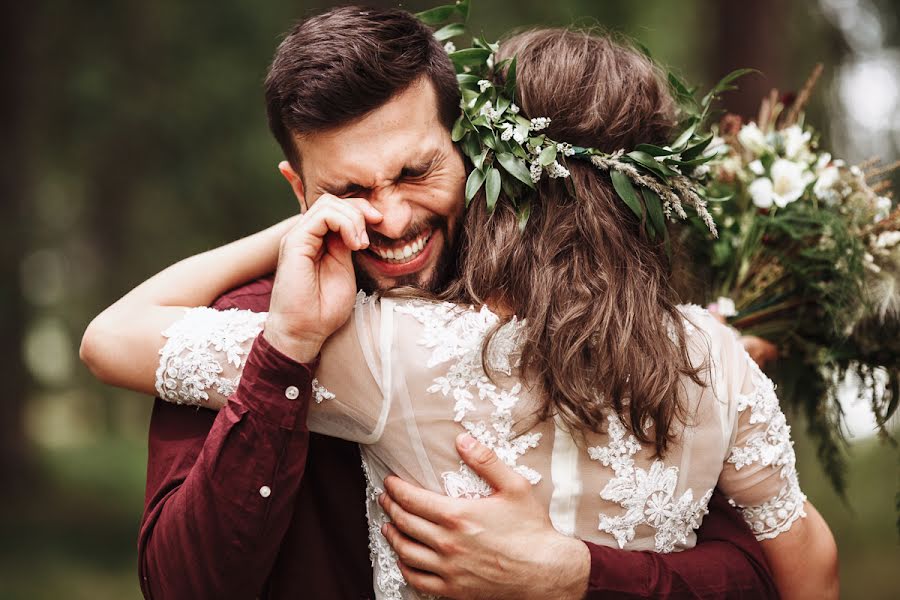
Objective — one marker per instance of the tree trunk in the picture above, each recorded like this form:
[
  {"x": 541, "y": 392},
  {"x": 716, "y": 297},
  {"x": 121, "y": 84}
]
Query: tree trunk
[{"x": 16, "y": 463}]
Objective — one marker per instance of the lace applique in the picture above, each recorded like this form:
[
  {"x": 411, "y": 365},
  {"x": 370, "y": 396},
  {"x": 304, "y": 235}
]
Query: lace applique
[
  {"x": 320, "y": 393},
  {"x": 388, "y": 577},
  {"x": 465, "y": 483},
  {"x": 189, "y": 362},
  {"x": 455, "y": 334},
  {"x": 771, "y": 447},
  {"x": 648, "y": 497}
]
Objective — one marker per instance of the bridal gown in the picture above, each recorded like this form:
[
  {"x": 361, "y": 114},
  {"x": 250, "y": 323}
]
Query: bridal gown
[{"x": 404, "y": 377}]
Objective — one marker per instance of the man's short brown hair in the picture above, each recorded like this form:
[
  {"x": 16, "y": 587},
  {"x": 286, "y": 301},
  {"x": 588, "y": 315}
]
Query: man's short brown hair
[{"x": 338, "y": 66}]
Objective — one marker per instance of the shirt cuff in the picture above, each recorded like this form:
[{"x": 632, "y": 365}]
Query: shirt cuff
[
  {"x": 617, "y": 572},
  {"x": 276, "y": 387}
]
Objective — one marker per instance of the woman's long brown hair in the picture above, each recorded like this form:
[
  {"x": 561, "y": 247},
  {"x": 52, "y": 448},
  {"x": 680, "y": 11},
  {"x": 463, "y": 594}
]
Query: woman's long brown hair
[{"x": 593, "y": 289}]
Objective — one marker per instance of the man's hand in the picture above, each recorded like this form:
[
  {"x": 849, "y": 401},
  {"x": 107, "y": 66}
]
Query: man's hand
[
  {"x": 315, "y": 284},
  {"x": 502, "y": 546}
]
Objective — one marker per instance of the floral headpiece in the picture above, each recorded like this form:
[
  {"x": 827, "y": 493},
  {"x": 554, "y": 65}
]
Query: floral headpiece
[{"x": 508, "y": 151}]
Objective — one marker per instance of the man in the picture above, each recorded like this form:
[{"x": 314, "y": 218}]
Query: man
[{"x": 245, "y": 502}]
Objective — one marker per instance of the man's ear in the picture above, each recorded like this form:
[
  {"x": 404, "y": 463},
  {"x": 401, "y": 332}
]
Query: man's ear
[{"x": 295, "y": 182}]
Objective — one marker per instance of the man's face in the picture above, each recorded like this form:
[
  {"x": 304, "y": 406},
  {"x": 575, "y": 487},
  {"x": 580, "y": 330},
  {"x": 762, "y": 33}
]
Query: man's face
[{"x": 400, "y": 158}]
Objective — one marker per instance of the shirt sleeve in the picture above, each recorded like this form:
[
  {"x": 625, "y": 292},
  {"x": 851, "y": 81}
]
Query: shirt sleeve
[
  {"x": 221, "y": 487},
  {"x": 727, "y": 562},
  {"x": 759, "y": 474}
]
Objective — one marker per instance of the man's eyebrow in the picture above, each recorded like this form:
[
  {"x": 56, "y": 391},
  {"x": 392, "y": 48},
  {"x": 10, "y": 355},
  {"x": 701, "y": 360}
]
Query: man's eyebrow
[{"x": 420, "y": 167}]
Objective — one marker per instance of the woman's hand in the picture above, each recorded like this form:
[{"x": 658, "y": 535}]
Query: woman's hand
[
  {"x": 760, "y": 350},
  {"x": 315, "y": 283}
]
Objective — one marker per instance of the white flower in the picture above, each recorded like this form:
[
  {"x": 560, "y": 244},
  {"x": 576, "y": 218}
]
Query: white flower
[
  {"x": 753, "y": 139},
  {"x": 536, "y": 171},
  {"x": 539, "y": 123},
  {"x": 513, "y": 109},
  {"x": 887, "y": 239},
  {"x": 700, "y": 171},
  {"x": 507, "y": 132},
  {"x": 449, "y": 47},
  {"x": 716, "y": 146},
  {"x": 788, "y": 181},
  {"x": 483, "y": 85},
  {"x": 796, "y": 143},
  {"x": 824, "y": 186},
  {"x": 725, "y": 307},
  {"x": 556, "y": 170},
  {"x": 823, "y": 161},
  {"x": 757, "y": 168},
  {"x": 882, "y": 208}
]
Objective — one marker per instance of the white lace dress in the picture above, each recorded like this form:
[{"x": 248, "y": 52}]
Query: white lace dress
[{"x": 404, "y": 377}]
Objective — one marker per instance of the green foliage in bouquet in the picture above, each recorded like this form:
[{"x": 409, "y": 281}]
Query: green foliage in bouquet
[{"x": 808, "y": 258}]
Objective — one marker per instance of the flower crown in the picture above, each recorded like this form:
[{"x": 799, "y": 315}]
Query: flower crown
[{"x": 508, "y": 152}]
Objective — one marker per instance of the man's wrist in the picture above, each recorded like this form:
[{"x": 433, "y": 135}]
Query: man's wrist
[
  {"x": 302, "y": 349},
  {"x": 570, "y": 562}
]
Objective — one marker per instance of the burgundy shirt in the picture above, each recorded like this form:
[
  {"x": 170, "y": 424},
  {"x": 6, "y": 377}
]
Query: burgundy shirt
[{"x": 247, "y": 503}]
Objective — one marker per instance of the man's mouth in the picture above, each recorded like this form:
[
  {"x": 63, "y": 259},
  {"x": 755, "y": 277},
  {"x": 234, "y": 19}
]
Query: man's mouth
[
  {"x": 400, "y": 254},
  {"x": 402, "y": 258}
]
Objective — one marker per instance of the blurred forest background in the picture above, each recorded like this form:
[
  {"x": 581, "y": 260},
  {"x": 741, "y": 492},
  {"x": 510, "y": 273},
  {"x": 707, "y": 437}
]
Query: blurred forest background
[{"x": 134, "y": 135}]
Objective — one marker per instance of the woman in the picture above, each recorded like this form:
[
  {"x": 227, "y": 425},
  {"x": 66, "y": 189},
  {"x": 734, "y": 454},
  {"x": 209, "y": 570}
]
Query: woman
[{"x": 561, "y": 347}]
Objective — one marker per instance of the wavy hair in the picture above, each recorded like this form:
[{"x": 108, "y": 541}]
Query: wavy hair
[{"x": 602, "y": 328}]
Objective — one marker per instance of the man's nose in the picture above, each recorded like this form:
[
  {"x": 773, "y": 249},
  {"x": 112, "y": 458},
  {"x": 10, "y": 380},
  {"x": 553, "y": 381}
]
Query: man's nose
[{"x": 395, "y": 208}]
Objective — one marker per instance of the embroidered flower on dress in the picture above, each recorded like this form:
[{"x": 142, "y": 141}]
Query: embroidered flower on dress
[{"x": 648, "y": 496}]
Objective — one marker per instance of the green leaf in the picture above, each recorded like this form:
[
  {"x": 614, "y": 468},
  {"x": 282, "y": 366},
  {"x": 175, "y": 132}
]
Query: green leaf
[
  {"x": 654, "y": 150},
  {"x": 489, "y": 140},
  {"x": 462, "y": 6},
  {"x": 473, "y": 184},
  {"x": 510, "y": 86},
  {"x": 515, "y": 167},
  {"x": 459, "y": 129},
  {"x": 655, "y": 210},
  {"x": 547, "y": 156},
  {"x": 651, "y": 164},
  {"x": 481, "y": 121},
  {"x": 725, "y": 84},
  {"x": 524, "y": 213},
  {"x": 449, "y": 31},
  {"x": 697, "y": 149},
  {"x": 644, "y": 49},
  {"x": 625, "y": 190},
  {"x": 467, "y": 79},
  {"x": 437, "y": 15},
  {"x": 470, "y": 57},
  {"x": 684, "y": 137},
  {"x": 492, "y": 187},
  {"x": 478, "y": 160},
  {"x": 502, "y": 104},
  {"x": 471, "y": 145}
]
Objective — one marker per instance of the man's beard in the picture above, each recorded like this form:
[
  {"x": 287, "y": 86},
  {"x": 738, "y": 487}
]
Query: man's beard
[{"x": 444, "y": 268}]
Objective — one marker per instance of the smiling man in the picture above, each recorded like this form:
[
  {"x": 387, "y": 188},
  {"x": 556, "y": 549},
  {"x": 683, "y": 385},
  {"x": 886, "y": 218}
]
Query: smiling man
[
  {"x": 247, "y": 503},
  {"x": 400, "y": 158}
]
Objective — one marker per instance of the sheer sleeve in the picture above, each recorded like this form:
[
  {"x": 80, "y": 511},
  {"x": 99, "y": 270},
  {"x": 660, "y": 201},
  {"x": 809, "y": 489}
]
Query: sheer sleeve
[
  {"x": 759, "y": 474},
  {"x": 205, "y": 353},
  {"x": 349, "y": 392}
]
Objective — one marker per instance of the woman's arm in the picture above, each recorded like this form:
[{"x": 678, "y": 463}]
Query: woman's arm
[
  {"x": 121, "y": 345},
  {"x": 804, "y": 559}
]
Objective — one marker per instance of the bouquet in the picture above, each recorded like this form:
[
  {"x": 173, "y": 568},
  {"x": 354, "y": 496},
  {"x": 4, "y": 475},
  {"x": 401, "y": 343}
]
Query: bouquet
[{"x": 808, "y": 258}]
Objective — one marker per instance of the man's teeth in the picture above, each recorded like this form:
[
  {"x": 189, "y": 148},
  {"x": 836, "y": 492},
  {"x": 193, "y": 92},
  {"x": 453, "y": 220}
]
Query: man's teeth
[{"x": 403, "y": 253}]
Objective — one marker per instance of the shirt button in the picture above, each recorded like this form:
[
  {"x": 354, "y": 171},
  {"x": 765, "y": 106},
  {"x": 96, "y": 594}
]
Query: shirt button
[
  {"x": 292, "y": 392},
  {"x": 265, "y": 491}
]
